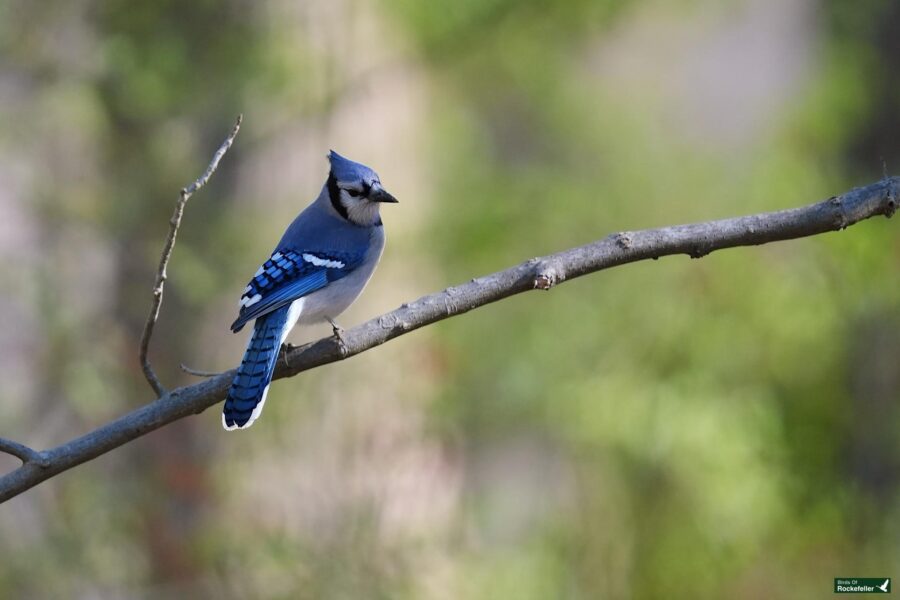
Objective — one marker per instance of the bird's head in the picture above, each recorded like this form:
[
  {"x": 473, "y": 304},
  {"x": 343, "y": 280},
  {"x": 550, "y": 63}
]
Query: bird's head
[{"x": 355, "y": 191}]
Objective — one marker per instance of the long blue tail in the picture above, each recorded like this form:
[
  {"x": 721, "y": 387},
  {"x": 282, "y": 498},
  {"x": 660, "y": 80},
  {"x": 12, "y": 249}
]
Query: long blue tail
[{"x": 251, "y": 384}]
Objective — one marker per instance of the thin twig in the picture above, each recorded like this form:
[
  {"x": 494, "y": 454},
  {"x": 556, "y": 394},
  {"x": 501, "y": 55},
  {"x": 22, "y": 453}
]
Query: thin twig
[
  {"x": 161, "y": 275},
  {"x": 22, "y": 452},
  {"x": 694, "y": 240},
  {"x": 199, "y": 373}
]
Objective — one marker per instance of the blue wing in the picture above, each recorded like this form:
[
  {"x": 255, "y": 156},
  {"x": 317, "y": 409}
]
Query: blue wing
[{"x": 289, "y": 275}]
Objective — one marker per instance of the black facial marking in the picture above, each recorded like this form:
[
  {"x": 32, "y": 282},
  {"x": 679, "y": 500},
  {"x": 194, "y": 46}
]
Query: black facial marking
[{"x": 334, "y": 193}]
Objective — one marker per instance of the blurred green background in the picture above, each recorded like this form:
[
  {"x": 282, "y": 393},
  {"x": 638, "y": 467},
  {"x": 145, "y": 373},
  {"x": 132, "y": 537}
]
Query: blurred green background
[{"x": 726, "y": 427}]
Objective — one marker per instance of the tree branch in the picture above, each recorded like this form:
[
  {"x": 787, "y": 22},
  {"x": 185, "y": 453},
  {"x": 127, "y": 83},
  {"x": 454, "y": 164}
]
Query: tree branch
[
  {"x": 22, "y": 452},
  {"x": 695, "y": 240},
  {"x": 161, "y": 276}
]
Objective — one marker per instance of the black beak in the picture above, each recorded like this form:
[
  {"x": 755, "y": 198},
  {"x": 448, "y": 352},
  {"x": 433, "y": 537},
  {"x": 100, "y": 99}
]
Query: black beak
[{"x": 379, "y": 194}]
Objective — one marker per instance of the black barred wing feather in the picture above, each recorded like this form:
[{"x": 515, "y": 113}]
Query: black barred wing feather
[{"x": 289, "y": 275}]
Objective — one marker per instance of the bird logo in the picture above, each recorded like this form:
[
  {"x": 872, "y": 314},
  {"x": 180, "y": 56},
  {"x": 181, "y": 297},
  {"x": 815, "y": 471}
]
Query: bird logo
[{"x": 885, "y": 587}]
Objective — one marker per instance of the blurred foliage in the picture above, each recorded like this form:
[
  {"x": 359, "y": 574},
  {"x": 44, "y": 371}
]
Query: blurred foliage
[
  {"x": 721, "y": 391},
  {"x": 720, "y": 428}
]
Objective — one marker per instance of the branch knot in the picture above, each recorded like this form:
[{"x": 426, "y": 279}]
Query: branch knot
[
  {"x": 841, "y": 220},
  {"x": 891, "y": 206},
  {"x": 547, "y": 276},
  {"x": 624, "y": 240}
]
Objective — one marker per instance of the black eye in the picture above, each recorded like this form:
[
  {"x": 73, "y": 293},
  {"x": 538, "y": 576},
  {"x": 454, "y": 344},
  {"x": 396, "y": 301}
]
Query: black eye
[{"x": 353, "y": 193}]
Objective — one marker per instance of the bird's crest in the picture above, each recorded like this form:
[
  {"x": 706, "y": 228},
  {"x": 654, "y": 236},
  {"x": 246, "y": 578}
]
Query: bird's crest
[{"x": 347, "y": 171}]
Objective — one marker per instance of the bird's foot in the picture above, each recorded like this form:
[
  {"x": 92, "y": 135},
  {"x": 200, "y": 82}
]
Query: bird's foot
[
  {"x": 338, "y": 332},
  {"x": 285, "y": 351}
]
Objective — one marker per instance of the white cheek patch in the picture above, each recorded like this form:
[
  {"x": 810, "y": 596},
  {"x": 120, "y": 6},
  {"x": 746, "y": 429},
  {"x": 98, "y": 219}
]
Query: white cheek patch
[
  {"x": 364, "y": 213},
  {"x": 346, "y": 201},
  {"x": 247, "y": 301},
  {"x": 323, "y": 262}
]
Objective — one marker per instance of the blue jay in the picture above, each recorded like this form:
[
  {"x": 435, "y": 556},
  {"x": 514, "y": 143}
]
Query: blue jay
[{"x": 317, "y": 270}]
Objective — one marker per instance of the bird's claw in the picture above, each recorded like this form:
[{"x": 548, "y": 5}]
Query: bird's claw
[
  {"x": 338, "y": 332},
  {"x": 286, "y": 349}
]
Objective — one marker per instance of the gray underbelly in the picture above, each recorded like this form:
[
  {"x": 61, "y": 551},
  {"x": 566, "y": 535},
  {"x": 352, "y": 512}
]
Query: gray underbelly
[{"x": 335, "y": 298}]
